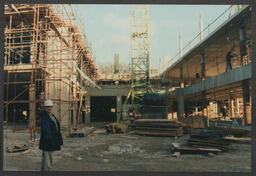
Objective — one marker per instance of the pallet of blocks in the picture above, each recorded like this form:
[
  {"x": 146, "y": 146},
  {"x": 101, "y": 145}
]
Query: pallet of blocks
[{"x": 159, "y": 127}]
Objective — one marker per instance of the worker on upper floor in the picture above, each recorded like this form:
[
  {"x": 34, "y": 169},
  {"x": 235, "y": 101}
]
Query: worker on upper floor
[{"x": 229, "y": 56}]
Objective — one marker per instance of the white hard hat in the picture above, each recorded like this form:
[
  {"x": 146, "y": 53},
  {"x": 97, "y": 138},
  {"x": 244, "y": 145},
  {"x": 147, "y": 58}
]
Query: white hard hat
[{"x": 48, "y": 103}]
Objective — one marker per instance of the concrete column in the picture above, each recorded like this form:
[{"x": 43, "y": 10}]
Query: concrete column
[
  {"x": 215, "y": 109},
  {"x": 181, "y": 106},
  {"x": 74, "y": 115},
  {"x": 242, "y": 43},
  {"x": 232, "y": 108},
  {"x": 219, "y": 105},
  {"x": 181, "y": 77},
  {"x": 205, "y": 112},
  {"x": 246, "y": 102},
  {"x": 203, "y": 66},
  {"x": 32, "y": 107},
  {"x": 204, "y": 103},
  {"x": 87, "y": 111},
  {"x": 118, "y": 105},
  {"x": 237, "y": 106}
]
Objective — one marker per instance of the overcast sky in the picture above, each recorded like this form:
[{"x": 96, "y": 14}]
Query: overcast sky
[{"x": 107, "y": 28}]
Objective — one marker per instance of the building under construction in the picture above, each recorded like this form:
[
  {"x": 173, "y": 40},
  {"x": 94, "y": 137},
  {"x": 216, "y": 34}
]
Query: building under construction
[
  {"x": 199, "y": 95},
  {"x": 45, "y": 51}
]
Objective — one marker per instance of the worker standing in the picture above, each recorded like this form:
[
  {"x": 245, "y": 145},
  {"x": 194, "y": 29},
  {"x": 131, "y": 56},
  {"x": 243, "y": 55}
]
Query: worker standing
[
  {"x": 228, "y": 61},
  {"x": 51, "y": 138},
  {"x": 224, "y": 111}
]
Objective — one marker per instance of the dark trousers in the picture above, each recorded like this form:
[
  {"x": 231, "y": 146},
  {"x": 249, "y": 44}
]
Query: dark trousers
[{"x": 228, "y": 65}]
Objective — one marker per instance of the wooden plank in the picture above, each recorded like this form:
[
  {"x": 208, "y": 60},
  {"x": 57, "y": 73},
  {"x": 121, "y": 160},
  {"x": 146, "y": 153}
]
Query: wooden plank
[
  {"x": 224, "y": 148},
  {"x": 159, "y": 133},
  {"x": 234, "y": 131},
  {"x": 219, "y": 141},
  {"x": 180, "y": 147},
  {"x": 160, "y": 125},
  {"x": 217, "y": 147},
  {"x": 157, "y": 129},
  {"x": 239, "y": 139},
  {"x": 208, "y": 142},
  {"x": 156, "y": 121}
]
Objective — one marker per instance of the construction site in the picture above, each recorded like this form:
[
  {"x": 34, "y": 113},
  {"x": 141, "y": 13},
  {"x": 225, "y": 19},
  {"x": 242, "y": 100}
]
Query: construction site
[{"x": 192, "y": 115}]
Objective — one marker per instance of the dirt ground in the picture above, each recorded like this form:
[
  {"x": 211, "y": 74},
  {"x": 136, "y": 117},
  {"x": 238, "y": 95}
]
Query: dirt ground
[{"x": 122, "y": 152}]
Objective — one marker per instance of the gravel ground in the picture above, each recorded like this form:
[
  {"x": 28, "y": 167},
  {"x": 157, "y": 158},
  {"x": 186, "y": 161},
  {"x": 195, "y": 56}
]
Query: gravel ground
[{"x": 123, "y": 152}]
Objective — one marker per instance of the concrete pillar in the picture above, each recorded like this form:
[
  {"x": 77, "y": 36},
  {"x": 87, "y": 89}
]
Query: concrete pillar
[
  {"x": 237, "y": 107},
  {"x": 246, "y": 102},
  {"x": 181, "y": 106},
  {"x": 232, "y": 108},
  {"x": 203, "y": 67},
  {"x": 181, "y": 77},
  {"x": 204, "y": 103},
  {"x": 74, "y": 115},
  {"x": 242, "y": 43},
  {"x": 215, "y": 109},
  {"x": 87, "y": 111},
  {"x": 118, "y": 105},
  {"x": 205, "y": 112},
  {"x": 219, "y": 105},
  {"x": 32, "y": 108}
]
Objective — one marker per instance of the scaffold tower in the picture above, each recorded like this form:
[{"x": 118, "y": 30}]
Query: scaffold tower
[
  {"x": 139, "y": 54},
  {"x": 140, "y": 83}
]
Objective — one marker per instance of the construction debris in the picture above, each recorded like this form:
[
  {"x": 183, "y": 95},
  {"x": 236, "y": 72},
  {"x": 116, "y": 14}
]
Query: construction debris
[
  {"x": 106, "y": 160},
  {"x": 84, "y": 132},
  {"x": 159, "y": 127},
  {"x": 176, "y": 154},
  {"x": 76, "y": 135},
  {"x": 79, "y": 158},
  {"x": 17, "y": 148},
  {"x": 116, "y": 128},
  {"x": 185, "y": 148},
  {"x": 195, "y": 121},
  {"x": 100, "y": 131},
  {"x": 123, "y": 148},
  {"x": 204, "y": 141}
]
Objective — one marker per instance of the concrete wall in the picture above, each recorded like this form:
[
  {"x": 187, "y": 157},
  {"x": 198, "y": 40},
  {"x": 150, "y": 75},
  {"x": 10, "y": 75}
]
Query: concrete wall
[{"x": 118, "y": 92}]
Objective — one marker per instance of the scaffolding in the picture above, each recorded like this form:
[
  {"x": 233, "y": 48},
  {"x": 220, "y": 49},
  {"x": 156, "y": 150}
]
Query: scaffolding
[
  {"x": 44, "y": 46},
  {"x": 140, "y": 83}
]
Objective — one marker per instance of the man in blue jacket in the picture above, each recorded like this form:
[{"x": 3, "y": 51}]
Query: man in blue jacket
[{"x": 51, "y": 138}]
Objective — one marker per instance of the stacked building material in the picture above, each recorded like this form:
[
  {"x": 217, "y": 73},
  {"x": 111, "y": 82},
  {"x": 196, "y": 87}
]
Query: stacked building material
[
  {"x": 204, "y": 141},
  {"x": 235, "y": 130},
  {"x": 210, "y": 139},
  {"x": 159, "y": 127},
  {"x": 186, "y": 148}
]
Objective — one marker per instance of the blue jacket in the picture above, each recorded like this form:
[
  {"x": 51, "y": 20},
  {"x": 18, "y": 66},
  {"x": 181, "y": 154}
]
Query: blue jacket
[{"x": 51, "y": 138}]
